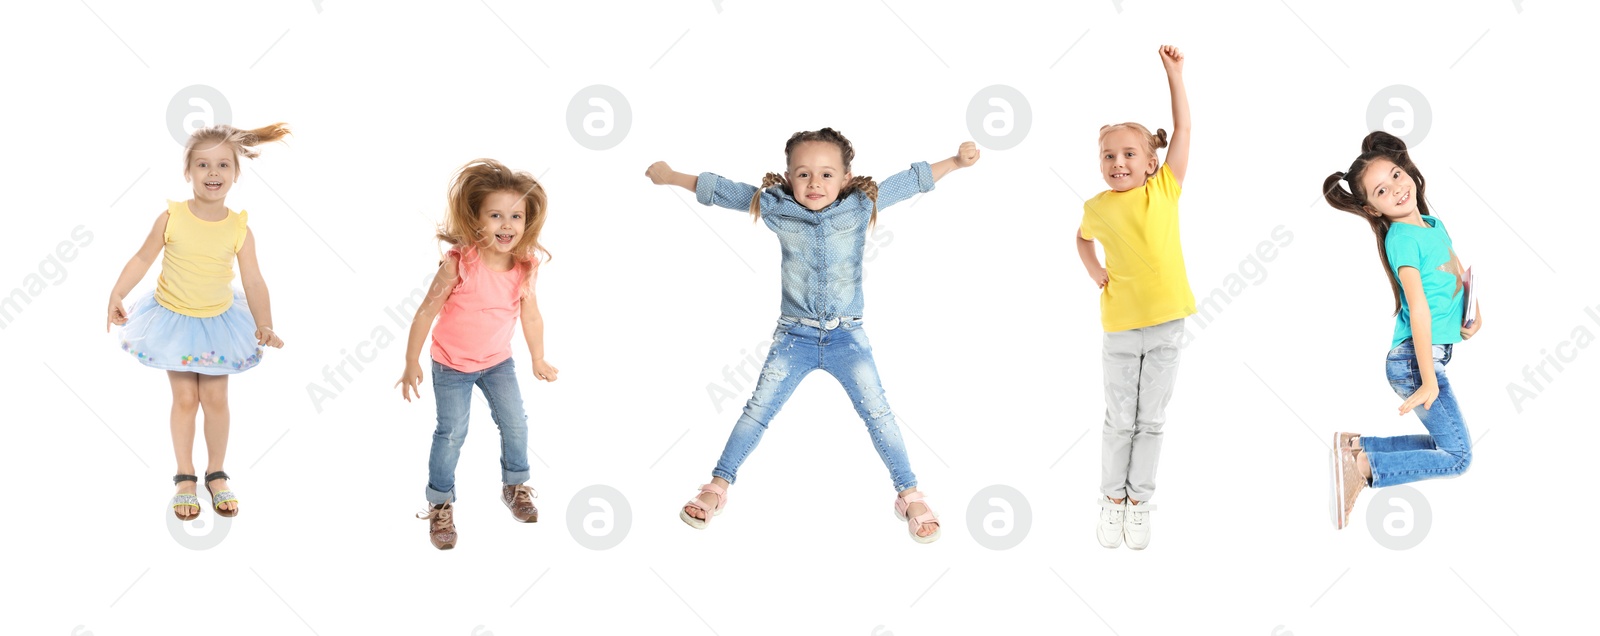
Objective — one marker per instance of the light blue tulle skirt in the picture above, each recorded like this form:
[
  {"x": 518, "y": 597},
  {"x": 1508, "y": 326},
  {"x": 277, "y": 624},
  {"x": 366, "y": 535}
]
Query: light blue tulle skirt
[{"x": 165, "y": 339}]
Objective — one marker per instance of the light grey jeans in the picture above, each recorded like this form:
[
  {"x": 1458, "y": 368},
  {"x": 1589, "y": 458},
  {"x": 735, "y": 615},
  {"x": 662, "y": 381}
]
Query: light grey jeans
[{"x": 1141, "y": 366}]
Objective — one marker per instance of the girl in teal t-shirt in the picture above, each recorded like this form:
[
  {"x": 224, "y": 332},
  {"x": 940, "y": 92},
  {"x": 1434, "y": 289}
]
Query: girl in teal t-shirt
[{"x": 1385, "y": 188}]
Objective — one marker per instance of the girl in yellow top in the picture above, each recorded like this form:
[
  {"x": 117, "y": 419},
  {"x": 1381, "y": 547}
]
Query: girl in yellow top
[
  {"x": 195, "y": 326},
  {"x": 1144, "y": 299}
]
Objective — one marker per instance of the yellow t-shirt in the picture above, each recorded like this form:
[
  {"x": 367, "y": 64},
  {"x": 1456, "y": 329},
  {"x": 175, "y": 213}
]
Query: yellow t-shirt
[
  {"x": 197, "y": 267},
  {"x": 1144, "y": 260}
]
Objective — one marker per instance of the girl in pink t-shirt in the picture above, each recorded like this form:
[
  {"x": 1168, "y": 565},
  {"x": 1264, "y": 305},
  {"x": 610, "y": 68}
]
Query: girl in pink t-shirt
[{"x": 484, "y": 284}]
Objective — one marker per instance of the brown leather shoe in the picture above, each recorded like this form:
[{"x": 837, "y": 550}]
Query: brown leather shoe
[
  {"x": 519, "y": 499},
  {"x": 441, "y": 526}
]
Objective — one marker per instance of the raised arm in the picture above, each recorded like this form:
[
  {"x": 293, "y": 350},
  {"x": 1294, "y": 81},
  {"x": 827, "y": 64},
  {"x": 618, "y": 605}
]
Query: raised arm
[
  {"x": 255, "y": 292},
  {"x": 708, "y": 188},
  {"x": 135, "y": 270},
  {"x": 921, "y": 176},
  {"x": 1421, "y": 339},
  {"x": 444, "y": 282},
  {"x": 533, "y": 331},
  {"x": 965, "y": 156},
  {"x": 1178, "y": 145}
]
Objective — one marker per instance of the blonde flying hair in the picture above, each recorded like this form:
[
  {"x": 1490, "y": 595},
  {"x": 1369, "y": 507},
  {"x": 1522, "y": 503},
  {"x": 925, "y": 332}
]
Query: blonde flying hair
[
  {"x": 243, "y": 142},
  {"x": 865, "y": 184},
  {"x": 473, "y": 184}
]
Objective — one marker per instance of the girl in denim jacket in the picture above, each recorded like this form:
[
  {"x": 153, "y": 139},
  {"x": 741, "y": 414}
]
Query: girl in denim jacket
[{"x": 821, "y": 213}]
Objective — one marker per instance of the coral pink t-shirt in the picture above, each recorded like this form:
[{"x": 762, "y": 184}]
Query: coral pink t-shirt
[{"x": 476, "y": 322}]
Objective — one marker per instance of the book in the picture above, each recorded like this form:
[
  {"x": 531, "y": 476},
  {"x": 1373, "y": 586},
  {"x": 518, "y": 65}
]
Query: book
[{"x": 1469, "y": 311}]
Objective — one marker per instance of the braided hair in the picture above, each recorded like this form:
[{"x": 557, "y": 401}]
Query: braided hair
[{"x": 865, "y": 184}]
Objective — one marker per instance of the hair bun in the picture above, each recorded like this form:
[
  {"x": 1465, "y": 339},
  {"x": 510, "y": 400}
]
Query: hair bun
[
  {"x": 1380, "y": 141},
  {"x": 1161, "y": 138}
]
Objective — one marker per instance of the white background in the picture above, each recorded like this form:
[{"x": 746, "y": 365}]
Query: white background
[{"x": 985, "y": 327}]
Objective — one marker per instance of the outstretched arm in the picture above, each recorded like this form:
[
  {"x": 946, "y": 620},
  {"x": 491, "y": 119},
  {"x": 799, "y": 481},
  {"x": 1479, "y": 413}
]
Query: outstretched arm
[
  {"x": 921, "y": 176},
  {"x": 662, "y": 174},
  {"x": 1178, "y": 145},
  {"x": 255, "y": 292},
  {"x": 135, "y": 270},
  {"x": 444, "y": 282},
  {"x": 710, "y": 189},
  {"x": 965, "y": 156}
]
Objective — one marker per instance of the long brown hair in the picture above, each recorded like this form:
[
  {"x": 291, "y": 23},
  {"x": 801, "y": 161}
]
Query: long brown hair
[
  {"x": 865, "y": 184},
  {"x": 473, "y": 183},
  {"x": 242, "y": 141},
  {"x": 1353, "y": 198}
]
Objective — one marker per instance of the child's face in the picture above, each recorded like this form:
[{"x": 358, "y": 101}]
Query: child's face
[
  {"x": 1389, "y": 190},
  {"x": 817, "y": 174},
  {"x": 1124, "y": 162},
  {"x": 212, "y": 171},
  {"x": 503, "y": 216}
]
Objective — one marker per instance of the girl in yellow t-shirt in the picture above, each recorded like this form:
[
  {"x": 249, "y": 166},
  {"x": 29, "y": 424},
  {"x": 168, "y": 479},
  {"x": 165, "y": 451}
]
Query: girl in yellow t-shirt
[
  {"x": 195, "y": 326},
  {"x": 1144, "y": 299}
]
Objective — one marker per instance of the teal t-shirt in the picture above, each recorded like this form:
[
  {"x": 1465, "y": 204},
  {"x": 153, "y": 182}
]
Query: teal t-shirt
[{"x": 1428, "y": 251}]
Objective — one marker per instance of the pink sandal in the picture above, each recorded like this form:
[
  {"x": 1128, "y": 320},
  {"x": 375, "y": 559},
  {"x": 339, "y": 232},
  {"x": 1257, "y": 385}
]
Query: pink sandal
[
  {"x": 903, "y": 503},
  {"x": 700, "y": 524}
]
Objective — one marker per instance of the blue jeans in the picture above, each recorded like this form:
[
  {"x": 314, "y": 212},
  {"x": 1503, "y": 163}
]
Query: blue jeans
[
  {"x": 452, "y": 391},
  {"x": 845, "y": 354},
  {"x": 1445, "y": 451}
]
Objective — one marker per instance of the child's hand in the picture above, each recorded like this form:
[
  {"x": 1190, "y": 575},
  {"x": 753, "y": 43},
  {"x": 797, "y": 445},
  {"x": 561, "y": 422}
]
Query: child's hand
[
  {"x": 659, "y": 172},
  {"x": 1477, "y": 323},
  {"x": 115, "y": 314},
  {"x": 1099, "y": 276},
  {"x": 967, "y": 155},
  {"x": 265, "y": 336},
  {"x": 1172, "y": 59},
  {"x": 1425, "y": 395},
  {"x": 410, "y": 379},
  {"x": 543, "y": 370}
]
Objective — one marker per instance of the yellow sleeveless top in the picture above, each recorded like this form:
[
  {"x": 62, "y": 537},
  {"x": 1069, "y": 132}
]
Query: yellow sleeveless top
[{"x": 197, "y": 265}]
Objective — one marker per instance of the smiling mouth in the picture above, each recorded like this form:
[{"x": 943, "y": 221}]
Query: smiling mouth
[
  {"x": 213, "y": 185},
  {"x": 504, "y": 238},
  {"x": 1119, "y": 175},
  {"x": 1404, "y": 198}
]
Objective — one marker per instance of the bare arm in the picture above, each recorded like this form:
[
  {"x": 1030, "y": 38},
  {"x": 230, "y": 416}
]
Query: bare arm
[
  {"x": 533, "y": 332},
  {"x": 1091, "y": 261},
  {"x": 965, "y": 156},
  {"x": 662, "y": 174},
  {"x": 1178, "y": 145},
  {"x": 255, "y": 292},
  {"x": 444, "y": 282},
  {"x": 135, "y": 270},
  {"x": 1421, "y": 339}
]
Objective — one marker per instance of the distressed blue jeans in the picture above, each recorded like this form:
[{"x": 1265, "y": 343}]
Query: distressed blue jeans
[
  {"x": 844, "y": 353},
  {"x": 1445, "y": 451},
  {"x": 452, "y": 391}
]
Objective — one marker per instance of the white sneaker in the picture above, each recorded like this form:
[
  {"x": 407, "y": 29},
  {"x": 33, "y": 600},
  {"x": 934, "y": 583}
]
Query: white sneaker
[
  {"x": 1136, "y": 528},
  {"x": 1110, "y": 528}
]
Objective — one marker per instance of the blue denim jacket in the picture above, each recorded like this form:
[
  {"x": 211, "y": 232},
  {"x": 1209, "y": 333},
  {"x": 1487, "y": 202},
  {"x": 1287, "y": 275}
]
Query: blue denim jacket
[{"x": 822, "y": 250}]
